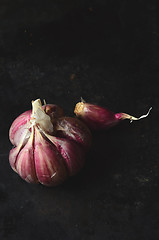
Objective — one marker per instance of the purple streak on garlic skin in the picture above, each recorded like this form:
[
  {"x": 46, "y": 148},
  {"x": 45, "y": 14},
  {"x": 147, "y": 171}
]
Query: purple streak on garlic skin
[
  {"x": 25, "y": 165},
  {"x": 49, "y": 165},
  {"x": 74, "y": 129},
  {"x": 72, "y": 153}
]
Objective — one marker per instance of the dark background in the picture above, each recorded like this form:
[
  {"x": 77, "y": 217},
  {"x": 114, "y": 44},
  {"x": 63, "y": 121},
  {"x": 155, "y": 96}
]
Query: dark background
[{"x": 105, "y": 51}]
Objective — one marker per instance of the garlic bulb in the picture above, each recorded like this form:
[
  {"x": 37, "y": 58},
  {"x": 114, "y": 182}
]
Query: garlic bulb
[{"x": 48, "y": 146}]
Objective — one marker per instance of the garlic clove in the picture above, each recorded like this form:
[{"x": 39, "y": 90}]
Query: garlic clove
[
  {"x": 13, "y": 154},
  {"x": 22, "y": 134},
  {"x": 74, "y": 129},
  {"x": 25, "y": 161},
  {"x": 16, "y": 129},
  {"x": 49, "y": 165},
  {"x": 94, "y": 116},
  {"x": 100, "y": 118},
  {"x": 72, "y": 153}
]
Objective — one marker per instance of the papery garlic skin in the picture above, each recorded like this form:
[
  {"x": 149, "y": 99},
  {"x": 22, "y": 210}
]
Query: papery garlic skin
[
  {"x": 74, "y": 129},
  {"x": 23, "y": 122},
  {"x": 40, "y": 118},
  {"x": 18, "y": 126}
]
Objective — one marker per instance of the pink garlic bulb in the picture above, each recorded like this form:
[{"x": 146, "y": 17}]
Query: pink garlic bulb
[{"x": 40, "y": 155}]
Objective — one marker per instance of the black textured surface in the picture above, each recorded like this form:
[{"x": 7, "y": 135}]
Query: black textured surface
[{"x": 111, "y": 48}]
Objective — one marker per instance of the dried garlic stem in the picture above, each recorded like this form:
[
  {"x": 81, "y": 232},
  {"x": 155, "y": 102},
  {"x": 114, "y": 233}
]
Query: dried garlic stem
[{"x": 39, "y": 117}]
